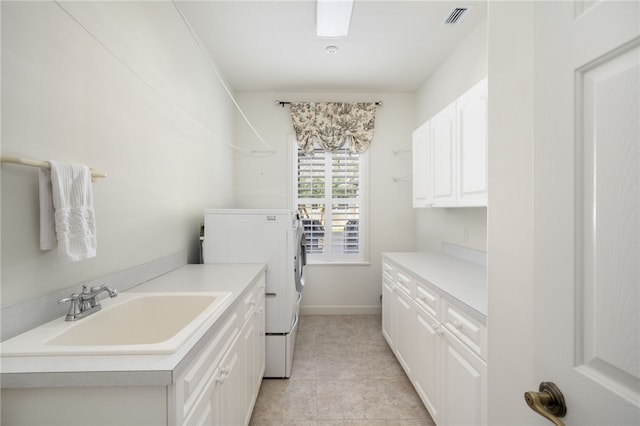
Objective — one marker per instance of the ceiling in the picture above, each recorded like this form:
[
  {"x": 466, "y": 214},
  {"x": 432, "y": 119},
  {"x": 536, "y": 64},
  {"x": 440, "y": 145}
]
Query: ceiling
[{"x": 271, "y": 45}]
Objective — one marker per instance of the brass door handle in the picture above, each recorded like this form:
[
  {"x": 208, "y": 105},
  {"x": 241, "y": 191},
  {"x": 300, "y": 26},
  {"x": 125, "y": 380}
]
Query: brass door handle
[{"x": 548, "y": 402}]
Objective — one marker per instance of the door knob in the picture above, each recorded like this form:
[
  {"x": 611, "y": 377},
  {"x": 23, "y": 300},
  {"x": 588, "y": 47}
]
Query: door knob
[{"x": 548, "y": 402}]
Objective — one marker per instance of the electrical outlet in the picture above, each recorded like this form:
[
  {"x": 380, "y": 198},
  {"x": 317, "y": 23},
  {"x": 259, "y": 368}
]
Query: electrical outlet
[{"x": 465, "y": 233}]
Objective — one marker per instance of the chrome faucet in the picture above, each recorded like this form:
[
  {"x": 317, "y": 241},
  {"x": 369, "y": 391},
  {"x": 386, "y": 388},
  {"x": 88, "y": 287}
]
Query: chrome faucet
[{"x": 85, "y": 303}]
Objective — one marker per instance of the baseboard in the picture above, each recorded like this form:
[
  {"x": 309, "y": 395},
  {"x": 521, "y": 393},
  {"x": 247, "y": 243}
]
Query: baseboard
[{"x": 340, "y": 310}]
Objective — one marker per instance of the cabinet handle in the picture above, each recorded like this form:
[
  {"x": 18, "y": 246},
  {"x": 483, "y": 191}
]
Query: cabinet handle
[{"x": 220, "y": 378}]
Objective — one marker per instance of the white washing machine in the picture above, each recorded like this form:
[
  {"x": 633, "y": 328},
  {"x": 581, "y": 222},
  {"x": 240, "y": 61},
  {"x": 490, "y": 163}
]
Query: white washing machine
[{"x": 276, "y": 238}]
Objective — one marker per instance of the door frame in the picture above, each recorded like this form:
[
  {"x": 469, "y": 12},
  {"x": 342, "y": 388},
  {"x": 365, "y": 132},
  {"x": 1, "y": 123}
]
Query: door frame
[{"x": 510, "y": 212}]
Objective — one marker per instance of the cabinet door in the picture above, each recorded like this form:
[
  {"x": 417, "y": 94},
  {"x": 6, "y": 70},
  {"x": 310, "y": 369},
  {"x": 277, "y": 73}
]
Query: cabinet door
[
  {"x": 443, "y": 149},
  {"x": 249, "y": 368},
  {"x": 203, "y": 413},
  {"x": 472, "y": 146},
  {"x": 230, "y": 396},
  {"x": 260, "y": 355},
  {"x": 463, "y": 384},
  {"x": 405, "y": 320},
  {"x": 427, "y": 352},
  {"x": 388, "y": 315},
  {"x": 421, "y": 156}
]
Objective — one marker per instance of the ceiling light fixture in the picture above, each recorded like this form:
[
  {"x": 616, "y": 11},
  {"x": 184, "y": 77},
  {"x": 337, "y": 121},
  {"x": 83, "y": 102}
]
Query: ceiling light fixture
[{"x": 333, "y": 17}]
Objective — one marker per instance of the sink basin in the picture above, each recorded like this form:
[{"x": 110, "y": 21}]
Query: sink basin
[{"x": 132, "y": 323}]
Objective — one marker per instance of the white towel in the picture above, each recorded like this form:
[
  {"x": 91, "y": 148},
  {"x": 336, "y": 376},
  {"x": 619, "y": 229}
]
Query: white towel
[
  {"x": 74, "y": 218},
  {"x": 47, "y": 224}
]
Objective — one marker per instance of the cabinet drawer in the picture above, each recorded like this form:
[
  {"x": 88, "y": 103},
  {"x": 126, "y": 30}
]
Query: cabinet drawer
[
  {"x": 202, "y": 369},
  {"x": 468, "y": 330},
  {"x": 252, "y": 299},
  {"x": 404, "y": 281},
  {"x": 388, "y": 271},
  {"x": 427, "y": 299}
]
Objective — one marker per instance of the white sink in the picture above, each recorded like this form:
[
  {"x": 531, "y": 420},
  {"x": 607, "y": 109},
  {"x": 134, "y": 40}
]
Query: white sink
[{"x": 132, "y": 323}]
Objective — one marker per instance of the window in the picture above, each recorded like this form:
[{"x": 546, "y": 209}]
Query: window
[{"x": 329, "y": 195}]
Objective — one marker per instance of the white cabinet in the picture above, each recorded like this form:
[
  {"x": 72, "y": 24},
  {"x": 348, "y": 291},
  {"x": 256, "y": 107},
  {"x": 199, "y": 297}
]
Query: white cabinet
[
  {"x": 463, "y": 385},
  {"x": 217, "y": 402},
  {"x": 440, "y": 346},
  {"x": 228, "y": 397},
  {"x": 215, "y": 382},
  {"x": 442, "y": 169},
  {"x": 254, "y": 348},
  {"x": 471, "y": 110},
  {"x": 421, "y": 157},
  {"x": 405, "y": 334},
  {"x": 450, "y": 154},
  {"x": 388, "y": 303},
  {"x": 397, "y": 314},
  {"x": 197, "y": 386},
  {"x": 231, "y": 368},
  {"x": 388, "y": 312},
  {"x": 426, "y": 374}
]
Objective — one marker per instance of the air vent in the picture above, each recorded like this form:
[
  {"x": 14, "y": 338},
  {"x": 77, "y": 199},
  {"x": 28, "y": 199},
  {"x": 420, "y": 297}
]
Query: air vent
[{"x": 456, "y": 15}]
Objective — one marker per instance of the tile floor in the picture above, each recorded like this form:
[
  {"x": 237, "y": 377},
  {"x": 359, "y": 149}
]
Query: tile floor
[{"x": 344, "y": 373}]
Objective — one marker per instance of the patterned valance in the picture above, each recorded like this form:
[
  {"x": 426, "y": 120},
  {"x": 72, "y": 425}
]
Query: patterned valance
[{"x": 333, "y": 124}]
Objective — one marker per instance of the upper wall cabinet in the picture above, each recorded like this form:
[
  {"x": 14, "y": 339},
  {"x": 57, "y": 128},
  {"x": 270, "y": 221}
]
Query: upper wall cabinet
[
  {"x": 442, "y": 168},
  {"x": 472, "y": 146},
  {"x": 450, "y": 154},
  {"x": 421, "y": 155}
]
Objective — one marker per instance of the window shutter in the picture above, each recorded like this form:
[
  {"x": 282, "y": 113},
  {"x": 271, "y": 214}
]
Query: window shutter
[{"x": 329, "y": 200}]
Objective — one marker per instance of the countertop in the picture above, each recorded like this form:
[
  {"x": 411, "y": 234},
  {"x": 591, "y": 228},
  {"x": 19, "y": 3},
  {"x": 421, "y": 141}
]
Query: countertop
[
  {"x": 463, "y": 282},
  {"x": 139, "y": 370}
]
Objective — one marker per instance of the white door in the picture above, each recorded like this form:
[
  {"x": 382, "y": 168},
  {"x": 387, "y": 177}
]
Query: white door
[{"x": 586, "y": 209}]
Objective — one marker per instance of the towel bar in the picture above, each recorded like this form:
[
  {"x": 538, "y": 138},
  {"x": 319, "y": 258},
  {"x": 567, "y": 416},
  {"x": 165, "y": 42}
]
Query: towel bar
[{"x": 95, "y": 174}]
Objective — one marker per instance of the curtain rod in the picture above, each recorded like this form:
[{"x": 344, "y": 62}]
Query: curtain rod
[
  {"x": 283, "y": 103},
  {"x": 42, "y": 164}
]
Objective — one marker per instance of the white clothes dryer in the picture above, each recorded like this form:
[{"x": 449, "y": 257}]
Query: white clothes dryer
[{"x": 276, "y": 238}]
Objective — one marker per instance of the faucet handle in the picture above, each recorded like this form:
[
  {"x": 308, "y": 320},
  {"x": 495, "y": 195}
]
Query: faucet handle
[
  {"x": 73, "y": 298},
  {"x": 74, "y": 308}
]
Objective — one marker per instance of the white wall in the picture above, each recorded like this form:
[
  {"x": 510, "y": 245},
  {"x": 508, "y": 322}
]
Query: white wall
[
  {"x": 142, "y": 118},
  {"x": 462, "y": 69},
  {"x": 510, "y": 218},
  {"x": 265, "y": 182}
]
